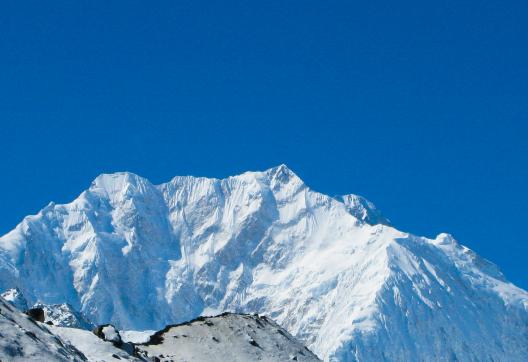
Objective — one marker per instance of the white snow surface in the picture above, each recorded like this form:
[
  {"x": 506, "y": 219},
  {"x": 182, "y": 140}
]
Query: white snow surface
[
  {"x": 22, "y": 339},
  {"x": 94, "y": 348},
  {"x": 141, "y": 256},
  {"x": 136, "y": 336},
  {"x": 230, "y": 337}
]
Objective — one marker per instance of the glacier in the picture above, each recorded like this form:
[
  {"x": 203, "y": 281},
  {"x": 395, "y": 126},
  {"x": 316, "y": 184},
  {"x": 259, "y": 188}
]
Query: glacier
[{"x": 333, "y": 271}]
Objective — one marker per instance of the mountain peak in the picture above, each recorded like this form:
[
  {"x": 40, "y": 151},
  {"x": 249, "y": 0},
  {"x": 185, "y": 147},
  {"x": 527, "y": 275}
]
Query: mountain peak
[
  {"x": 282, "y": 174},
  {"x": 106, "y": 180},
  {"x": 120, "y": 185},
  {"x": 279, "y": 168}
]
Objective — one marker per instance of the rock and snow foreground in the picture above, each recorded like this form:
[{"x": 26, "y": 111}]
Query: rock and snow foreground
[
  {"x": 331, "y": 271},
  {"x": 227, "y": 337},
  {"x": 23, "y": 339}
]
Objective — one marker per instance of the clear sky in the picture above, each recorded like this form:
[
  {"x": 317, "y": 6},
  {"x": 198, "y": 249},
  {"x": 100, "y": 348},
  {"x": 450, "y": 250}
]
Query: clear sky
[{"x": 420, "y": 106}]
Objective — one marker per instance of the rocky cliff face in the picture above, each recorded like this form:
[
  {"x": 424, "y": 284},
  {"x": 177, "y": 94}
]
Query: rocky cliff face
[{"x": 330, "y": 270}]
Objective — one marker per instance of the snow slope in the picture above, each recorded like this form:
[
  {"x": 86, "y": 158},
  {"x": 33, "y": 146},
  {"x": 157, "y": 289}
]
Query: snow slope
[
  {"x": 94, "y": 348},
  {"x": 22, "y": 339},
  {"x": 227, "y": 337},
  {"x": 141, "y": 256}
]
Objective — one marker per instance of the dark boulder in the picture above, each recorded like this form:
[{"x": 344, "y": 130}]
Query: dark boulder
[{"x": 36, "y": 314}]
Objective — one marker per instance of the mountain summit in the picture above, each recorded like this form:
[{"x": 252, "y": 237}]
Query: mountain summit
[{"x": 332, "y": 271}]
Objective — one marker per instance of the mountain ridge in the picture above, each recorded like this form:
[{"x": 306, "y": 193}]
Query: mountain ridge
[{"x": 264, "y": 242}]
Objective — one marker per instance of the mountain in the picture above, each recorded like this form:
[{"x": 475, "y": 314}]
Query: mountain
[
  {"x": 331, "y": 271},
  {"x": 22, "y": 339},
  {"x": 227, "y": 337}
]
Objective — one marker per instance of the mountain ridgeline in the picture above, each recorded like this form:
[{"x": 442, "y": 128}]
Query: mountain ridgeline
[{"x": 333, "y": 272}]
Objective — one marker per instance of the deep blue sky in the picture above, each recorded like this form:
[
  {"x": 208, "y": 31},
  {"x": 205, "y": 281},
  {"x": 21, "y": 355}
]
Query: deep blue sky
[{"x": 422, "y": 107}]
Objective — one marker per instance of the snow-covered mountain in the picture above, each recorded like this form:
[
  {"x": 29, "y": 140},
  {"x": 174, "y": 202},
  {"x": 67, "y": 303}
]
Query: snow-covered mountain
[{"x": 332, "y": 271}]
